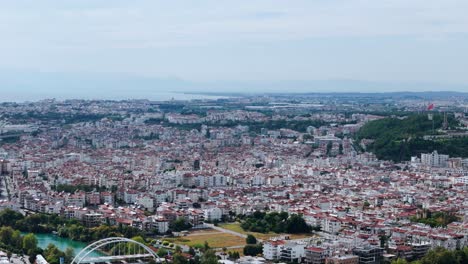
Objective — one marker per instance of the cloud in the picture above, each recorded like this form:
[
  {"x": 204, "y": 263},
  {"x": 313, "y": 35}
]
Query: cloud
[
  {"x": 172, "y": 23},
  {"x": 203, "y": 39}
]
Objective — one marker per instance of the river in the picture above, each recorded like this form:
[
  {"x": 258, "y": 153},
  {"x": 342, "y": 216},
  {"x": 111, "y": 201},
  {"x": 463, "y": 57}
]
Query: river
[{"x": 43, "y": 240}]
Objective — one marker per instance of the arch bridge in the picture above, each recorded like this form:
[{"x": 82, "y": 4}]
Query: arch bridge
[{"x": 120, "y": 250}]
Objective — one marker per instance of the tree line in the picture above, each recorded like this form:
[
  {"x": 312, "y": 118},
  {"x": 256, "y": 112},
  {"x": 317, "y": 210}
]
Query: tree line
[
  {"x": 69, "y": 188},
  {"x": 436, "y": 219},
  {"x": 440, "y": 255},
  {"x": 276, "y": 222},
  {"x": 12, "y": 241},
  {"x": 69, "y": 228}
]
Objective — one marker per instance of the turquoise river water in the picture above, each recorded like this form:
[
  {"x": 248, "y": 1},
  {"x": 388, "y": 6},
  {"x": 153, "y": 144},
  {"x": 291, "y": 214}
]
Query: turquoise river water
[{"x": 43, "y": 240}]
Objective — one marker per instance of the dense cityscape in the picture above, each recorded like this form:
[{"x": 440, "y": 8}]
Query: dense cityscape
[{"x": 272, "y": 178}]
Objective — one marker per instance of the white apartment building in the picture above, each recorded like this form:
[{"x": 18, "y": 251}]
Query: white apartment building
[
  {"x": 434, "y": 159},
  {"x": 463, "y": 180},
  {"x": 272, "y": 249},
  {"x": 147, "y": 202},
  {"x": 130, "y": 196},
  {"x": 293, "y": 251},
  {"x": 213, "y": 214},
  {"x": 331, "y": 225}
]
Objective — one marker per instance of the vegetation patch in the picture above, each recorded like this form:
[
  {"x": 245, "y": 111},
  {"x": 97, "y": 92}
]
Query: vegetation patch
[
  {"x": 436, "y": 219},
  {"x": 275, "y": 222},
  {"x": 398, "y": 139},
  {"x": 215, "y": 240}
]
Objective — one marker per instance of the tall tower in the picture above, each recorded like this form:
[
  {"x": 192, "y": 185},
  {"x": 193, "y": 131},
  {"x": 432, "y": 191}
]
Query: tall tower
[
  {"x": 445, "y": 124},
  {"x": 4, "y": 167},
  {"x": 196, "y": 165}
]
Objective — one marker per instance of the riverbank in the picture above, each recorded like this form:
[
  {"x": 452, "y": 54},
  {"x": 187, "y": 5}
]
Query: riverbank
[{"x": 43, "y": 240}]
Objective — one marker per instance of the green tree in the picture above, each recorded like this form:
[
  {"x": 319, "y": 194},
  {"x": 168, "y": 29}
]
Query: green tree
[
  {"x": 177, "y": 258},
  {"x": 52, "y": 254},
  {"x": 6, "y": 234},
  {"x": 178, "y": 249},
  {"x": 9, "y": 217},
  {"x": 195, "y": 260},
  {"x": 209, "y": 257},
  {"x": 29, "y": 243},
  {"x": 400, "y": 261},
  {"x": 69, "y": 255},
  {"x": 436, "y": 219},
  {"x": 283, "y": 216},
  {"x": 234, "y": 255},
  {"x": 253, "y": 250},
  {"x": 439, "y": 255},
  {"x": 162, "y": 252},
  {"x": 17, "y": 239},
  {"x": 251, "y": 239},
  {"x": 132, "y": 247},
  {"x": 33, "y": 253},
  {"x": 276, "y": 222},
  {"x": 296, "y": 224},
  {"x": 179, "y": 225},
  {"x": 399, "y": 139},
  {"x": 206, "y": 246}
]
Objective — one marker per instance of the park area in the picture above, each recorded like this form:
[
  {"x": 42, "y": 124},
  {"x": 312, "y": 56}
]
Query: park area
[
  {"x": 264, "y": 236},
  {"x": 219, "y": 239},
  {"x": 215, "y": 239}
]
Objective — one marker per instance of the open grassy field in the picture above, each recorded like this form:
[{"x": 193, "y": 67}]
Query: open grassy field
[
  {"x": 203, "y": 231},
  {"x": 217, "y": 239},
  {"x": 214, "y": 239},
  {"x": 237, "y": 228}
]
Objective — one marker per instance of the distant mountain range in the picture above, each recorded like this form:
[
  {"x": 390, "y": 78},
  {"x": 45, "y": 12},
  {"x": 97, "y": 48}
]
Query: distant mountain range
[
  {"x": 115, "y": 86},
  {"x": 426, "y": 95}
]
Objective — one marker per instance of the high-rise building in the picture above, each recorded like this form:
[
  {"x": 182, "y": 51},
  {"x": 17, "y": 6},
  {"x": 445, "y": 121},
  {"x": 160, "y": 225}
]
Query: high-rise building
[
  {"x": 4, "y": 167},
  {"x": 315, "y": 255},
  {"x": 434, "y": 159},
  {"x": 369, "y": 255},
  {"x": 196, "y": 165}
]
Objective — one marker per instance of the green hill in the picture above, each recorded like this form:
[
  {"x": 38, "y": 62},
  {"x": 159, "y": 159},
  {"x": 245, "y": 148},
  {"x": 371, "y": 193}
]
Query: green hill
[{"x": 399, "y": 139}]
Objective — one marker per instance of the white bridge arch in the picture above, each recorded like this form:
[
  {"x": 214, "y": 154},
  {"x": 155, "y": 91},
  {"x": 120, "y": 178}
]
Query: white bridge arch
[{"x": 138, "y": 251}]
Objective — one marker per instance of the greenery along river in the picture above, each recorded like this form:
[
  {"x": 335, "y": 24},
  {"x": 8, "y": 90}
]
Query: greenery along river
[{"x": 43, "y": 240}]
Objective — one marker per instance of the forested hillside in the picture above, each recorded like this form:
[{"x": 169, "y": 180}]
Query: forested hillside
[{"x": 399, "y": 139}]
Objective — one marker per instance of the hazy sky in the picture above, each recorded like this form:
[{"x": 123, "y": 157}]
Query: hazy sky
[{"x": 251, "y": 40}]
